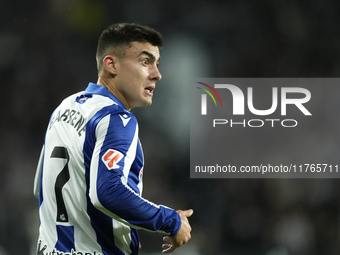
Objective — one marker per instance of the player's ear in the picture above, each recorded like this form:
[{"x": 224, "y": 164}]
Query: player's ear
[{"x": 110, "y": 64}]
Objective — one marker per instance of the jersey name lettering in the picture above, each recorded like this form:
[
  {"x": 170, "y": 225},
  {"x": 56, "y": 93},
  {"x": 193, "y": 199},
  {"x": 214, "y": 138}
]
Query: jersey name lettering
[{"x": 72, "y": 117}]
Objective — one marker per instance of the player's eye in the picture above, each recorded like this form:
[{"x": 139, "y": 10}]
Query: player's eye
[{"x": 145, "y": 61}]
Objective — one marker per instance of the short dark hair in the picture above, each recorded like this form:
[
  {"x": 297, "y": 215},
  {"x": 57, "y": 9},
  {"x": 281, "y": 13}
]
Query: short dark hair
[{"x": 117, "y": 37}]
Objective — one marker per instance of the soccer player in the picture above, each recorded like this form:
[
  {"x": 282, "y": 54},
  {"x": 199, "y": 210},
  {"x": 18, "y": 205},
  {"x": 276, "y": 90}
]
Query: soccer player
[{"x": 89, "y": 175}]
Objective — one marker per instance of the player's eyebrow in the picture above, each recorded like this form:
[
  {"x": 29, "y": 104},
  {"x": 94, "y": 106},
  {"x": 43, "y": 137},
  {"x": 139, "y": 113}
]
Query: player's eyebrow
[{"x": 150, "y": 55}]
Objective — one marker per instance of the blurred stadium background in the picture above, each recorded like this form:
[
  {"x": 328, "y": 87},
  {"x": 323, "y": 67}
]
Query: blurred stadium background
[{"x": 47, "y": 51}]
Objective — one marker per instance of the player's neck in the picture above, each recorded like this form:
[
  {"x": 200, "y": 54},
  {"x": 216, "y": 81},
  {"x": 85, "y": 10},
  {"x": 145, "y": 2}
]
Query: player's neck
[{"x": 114, "y": 91}]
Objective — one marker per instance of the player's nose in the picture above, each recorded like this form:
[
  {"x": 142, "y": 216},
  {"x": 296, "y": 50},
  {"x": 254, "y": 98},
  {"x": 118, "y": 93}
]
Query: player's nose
[{"x": 155, "y": 74}]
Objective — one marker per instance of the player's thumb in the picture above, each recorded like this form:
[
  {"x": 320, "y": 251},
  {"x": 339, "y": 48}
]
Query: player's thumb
[{"x": 188, "y": 213}]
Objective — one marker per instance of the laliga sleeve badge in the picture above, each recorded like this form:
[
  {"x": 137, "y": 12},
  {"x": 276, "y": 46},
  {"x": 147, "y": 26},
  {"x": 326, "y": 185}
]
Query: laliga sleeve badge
[{"x": 111, "y": 159}]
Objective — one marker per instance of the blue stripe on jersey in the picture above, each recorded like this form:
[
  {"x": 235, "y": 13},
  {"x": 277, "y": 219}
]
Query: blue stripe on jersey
[
  {"x": 65, "y": 241},
  {"x": 102, "y": 224},
  {"x": 134, "y": 246},
  {"x": 41, "y": 197}
]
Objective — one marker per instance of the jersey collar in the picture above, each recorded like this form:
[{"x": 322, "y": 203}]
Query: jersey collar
[{"x": 94, "y": 88}]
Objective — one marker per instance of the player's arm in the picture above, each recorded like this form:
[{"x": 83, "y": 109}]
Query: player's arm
[{"x": 109, "y": 190}]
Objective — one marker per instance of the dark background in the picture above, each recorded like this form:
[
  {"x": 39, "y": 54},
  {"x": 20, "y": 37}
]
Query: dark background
[{"x": 47, "y": 51}]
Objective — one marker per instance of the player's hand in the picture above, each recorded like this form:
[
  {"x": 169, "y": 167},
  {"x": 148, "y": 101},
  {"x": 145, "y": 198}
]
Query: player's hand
[{"x": 183, "y": 235}]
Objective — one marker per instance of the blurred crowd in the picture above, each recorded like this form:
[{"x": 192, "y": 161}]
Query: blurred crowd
[{"x": 47, "y": 52}]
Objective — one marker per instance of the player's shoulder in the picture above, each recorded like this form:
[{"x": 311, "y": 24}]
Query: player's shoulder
[
  {"x": 119, "y": 114},
  {"x": 99, "y": 107},
  {"x": 116, "y": 123},
  {"x": 110, "y": 115}
]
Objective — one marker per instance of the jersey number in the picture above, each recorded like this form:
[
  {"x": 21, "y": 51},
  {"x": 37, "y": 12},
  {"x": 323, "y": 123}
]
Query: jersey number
[{"x": 62, "y": 178}]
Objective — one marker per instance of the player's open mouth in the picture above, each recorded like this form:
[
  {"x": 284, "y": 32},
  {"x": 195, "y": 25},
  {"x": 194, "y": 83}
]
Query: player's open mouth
[{"x": 149, "y": 90}]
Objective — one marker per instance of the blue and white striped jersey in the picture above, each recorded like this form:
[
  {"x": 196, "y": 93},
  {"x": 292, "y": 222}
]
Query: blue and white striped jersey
[{"x": 89, "y": 180}]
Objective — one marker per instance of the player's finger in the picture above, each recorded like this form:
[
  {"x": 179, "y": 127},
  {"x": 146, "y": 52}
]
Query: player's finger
[
  {"x": 170, "y": 249},
  {"x": 166, "y": 246},
  {"x": 167, "y": 239},
  {"x": 188, "y": 213}
]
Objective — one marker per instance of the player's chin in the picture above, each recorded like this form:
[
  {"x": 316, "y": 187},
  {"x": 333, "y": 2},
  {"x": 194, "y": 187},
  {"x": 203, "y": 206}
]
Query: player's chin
[
  {"x": 148, "y": 101},
  {"x": 145, "y": 103}
]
